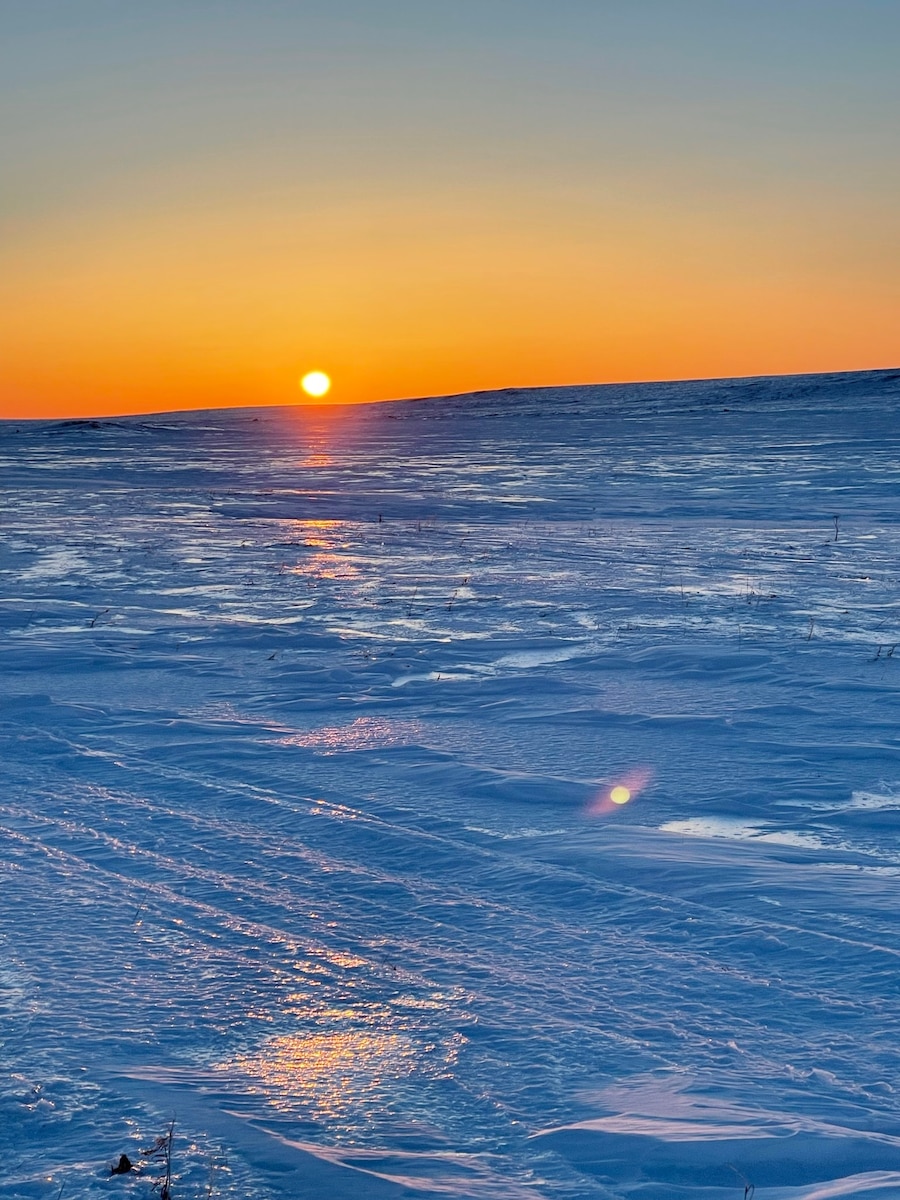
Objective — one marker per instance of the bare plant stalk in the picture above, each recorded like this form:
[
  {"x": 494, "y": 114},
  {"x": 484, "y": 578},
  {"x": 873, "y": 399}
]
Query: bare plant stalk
[{"x": 161, "y": 1154}]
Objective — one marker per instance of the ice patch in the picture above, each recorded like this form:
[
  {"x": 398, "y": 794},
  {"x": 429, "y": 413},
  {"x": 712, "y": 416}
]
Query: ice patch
[
  {"x": 434, "y": 677},
  {"x": 538, "y": 658},
  {"x": 872, "y": 801},
  {"x": 740, "y": 830},
  {"x": 56, "y": 565},
  {"x": 362, "y": 734}
]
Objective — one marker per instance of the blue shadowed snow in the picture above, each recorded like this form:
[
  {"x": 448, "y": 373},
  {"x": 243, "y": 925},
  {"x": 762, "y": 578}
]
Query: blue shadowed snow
[{"x": 310, "y": 726}]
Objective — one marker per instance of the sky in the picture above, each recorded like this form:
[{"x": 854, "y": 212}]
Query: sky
[{"x": 201, "y": 200}]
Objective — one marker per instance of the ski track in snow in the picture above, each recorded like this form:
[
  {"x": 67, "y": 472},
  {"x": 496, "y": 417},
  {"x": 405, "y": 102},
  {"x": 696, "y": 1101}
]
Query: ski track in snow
[{"x": 309, "y": 726}]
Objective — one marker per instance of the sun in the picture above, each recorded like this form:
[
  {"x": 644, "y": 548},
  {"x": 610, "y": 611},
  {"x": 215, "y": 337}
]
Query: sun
[{"x": 315, "y": 383}]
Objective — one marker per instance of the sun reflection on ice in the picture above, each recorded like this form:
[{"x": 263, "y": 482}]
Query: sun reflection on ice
[
  {"x": 340, "y": 1072},
  {"x": 330, "y": 1073},
  {"x": 317, "y": 458},
  {"x": 327, "y": 538},
  {"x": 363, "y": 733},
  {"x": 317, "y": 532}
]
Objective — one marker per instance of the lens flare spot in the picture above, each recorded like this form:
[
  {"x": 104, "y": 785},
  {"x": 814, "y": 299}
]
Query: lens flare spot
[
  {"x": 315, "y": 383},
  {"x": 613, "y": 799}
]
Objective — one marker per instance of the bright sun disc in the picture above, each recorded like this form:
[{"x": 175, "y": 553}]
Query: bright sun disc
[
  {"x": 620, "y": 795},
  {"x": 315, "y": 383}
]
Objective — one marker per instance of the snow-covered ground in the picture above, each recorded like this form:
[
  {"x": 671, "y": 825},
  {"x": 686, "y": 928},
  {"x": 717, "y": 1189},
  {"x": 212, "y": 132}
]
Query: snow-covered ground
[{"x": 310, "y": 723}]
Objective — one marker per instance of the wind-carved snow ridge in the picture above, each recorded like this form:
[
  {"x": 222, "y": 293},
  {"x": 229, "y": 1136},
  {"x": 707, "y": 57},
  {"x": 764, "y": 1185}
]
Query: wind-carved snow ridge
[
  {"x": 658, "y": 1130},
  {"x": 488, "y": 796}
]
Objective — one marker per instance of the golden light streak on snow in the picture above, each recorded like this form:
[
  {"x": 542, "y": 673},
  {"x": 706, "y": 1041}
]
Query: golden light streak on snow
[
  {"x": 318, "y": 459},
  {"x": 316, "y": 533},
  {"x": 330, "y": 1074}
]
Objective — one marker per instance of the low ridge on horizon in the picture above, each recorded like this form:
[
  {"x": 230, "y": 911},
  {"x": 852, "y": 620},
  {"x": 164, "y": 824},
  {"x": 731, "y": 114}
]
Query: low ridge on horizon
[{"x": 883, "y": 375}]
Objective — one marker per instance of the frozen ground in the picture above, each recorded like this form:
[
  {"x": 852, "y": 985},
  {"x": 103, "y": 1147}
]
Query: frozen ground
[{"x": 309, "y": 728}]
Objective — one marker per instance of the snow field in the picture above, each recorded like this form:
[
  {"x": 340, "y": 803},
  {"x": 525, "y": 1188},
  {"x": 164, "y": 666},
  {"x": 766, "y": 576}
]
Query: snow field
[{"x": 310, "y": 723}]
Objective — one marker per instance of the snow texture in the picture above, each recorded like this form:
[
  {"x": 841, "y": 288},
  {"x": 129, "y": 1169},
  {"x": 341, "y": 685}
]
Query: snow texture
[{"x": 310, "y": 722}]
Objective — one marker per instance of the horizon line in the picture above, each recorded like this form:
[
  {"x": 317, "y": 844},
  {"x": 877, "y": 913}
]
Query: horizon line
[{"x": 304, "y": 405}]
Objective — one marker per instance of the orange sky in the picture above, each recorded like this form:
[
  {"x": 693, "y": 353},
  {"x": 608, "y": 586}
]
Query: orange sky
[{"x": 191, "y": 230}]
